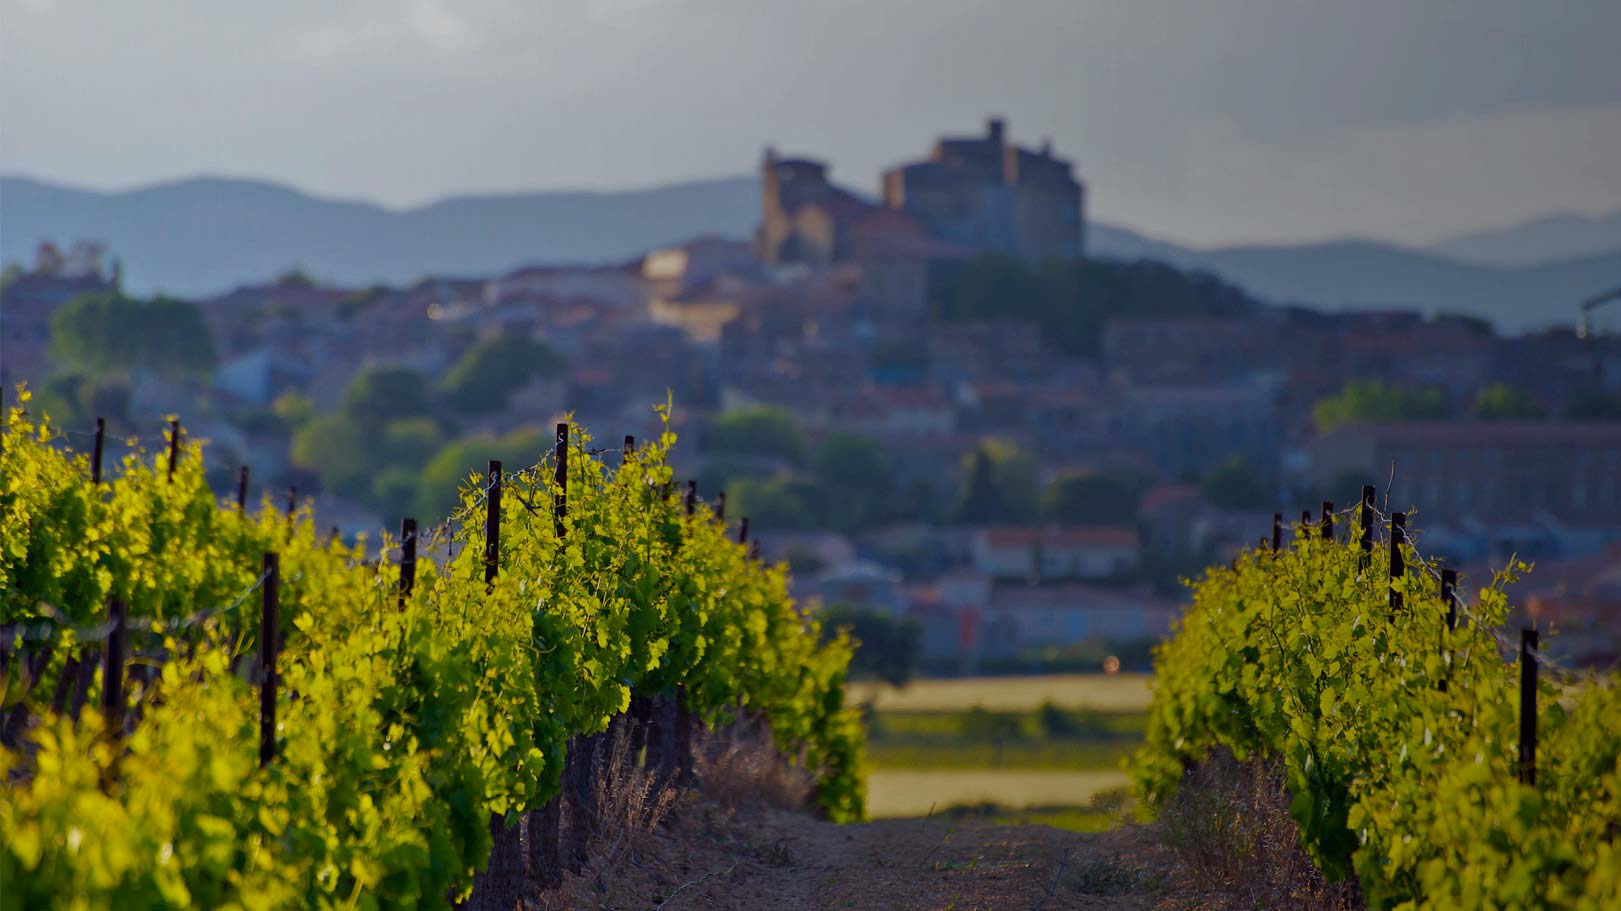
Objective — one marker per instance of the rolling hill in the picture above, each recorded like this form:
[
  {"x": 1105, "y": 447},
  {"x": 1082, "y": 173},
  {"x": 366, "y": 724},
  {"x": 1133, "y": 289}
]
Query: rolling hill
[
  {"x": 205, "y": 235},
  {"x": 1539, "y": 240}
]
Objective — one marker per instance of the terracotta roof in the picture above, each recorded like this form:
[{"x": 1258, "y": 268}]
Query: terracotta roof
[{"x": 1168, "y": 495}]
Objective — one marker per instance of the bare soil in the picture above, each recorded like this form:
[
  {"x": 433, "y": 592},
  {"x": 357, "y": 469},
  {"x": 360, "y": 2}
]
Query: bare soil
[{"x": 708, "y": 857}]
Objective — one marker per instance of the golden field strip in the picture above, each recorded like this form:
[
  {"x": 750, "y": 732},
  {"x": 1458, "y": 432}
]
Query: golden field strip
[
  {"x": 909, "y": 792},
  {"x": 1098, "y": 692}
]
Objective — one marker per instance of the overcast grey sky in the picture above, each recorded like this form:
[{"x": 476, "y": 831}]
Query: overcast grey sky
[{"x": 1209, "y": 121}]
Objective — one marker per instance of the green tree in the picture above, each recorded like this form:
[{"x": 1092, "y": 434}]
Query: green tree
[
  {"x": 444, "y": 474},
  {"x": 107, "y": 332},
  {"x": 482, "y": 379},
  {"x": 1372, "y": 400},
  {"x": 1072, "y": 299},
  {"x": 999, "y": 486},
  {"x": 1235, "y": 485},
  {"x": 770, "y": 503},
  {"x": 768, "y": 432},
  {"x": 62, "y": 399},
  {"x": 409, "y": 443},
  {"x": 1593, "y": 405},
  {"x": 340, "y": 451},
  {"x": 377, "y": 395},
  {"x": 725, "y": 473},
  {"x": 294, "y": 408},
  {"x": 1502, "y": 402},
  {"x": 980, "y": 725},
  {"x": 855, "y": 479},
  {"x": 393, "y": 490},
  {"x": 1056, "y": 723},
  {"x": 1092, "y": 498},
  {"x": 295, "y": 277},
  {"x": 847, "y": 461},
  {"x": 886, "y": 647}
]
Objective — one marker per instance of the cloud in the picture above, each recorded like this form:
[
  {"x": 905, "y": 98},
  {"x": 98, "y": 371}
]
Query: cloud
[
  {"x": 624, "y": 13},
  {"x": 442, "y": 30},
  {"x": 430, "y": 26}
]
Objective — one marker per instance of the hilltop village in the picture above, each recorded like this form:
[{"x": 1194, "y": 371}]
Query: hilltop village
[{"x": 928, "y": 398}]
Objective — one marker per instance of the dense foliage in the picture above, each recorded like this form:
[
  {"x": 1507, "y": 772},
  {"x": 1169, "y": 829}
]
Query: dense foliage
[
  {"x": 886, "y": 645},
  {"x": 107, "y": 332},
  {"x": 404, "y": 724},
  {"x": 491, "y": 370},
  {"x": 1407, "y": 784},
  {"x": 1089, "y": 497},
  {"x": 998, "y": 486},
  {"x": 1072, "y": 299},
  {"x": 1373, "y": 400},
  {"x": 765, "y": 432},
  {"x": 1502, "y": 402}
]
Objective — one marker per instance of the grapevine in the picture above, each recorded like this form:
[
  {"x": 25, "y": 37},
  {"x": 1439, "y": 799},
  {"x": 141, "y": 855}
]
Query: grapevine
[
  {"x": 403, "y": 727},
  {"x": 1398, "y": 735}
]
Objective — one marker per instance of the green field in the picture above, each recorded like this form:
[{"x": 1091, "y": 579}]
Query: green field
[
  {"x": 1022, "y": 749},
  {"x": 915, "y": 792},
  {"x": 1100, "y": 692}
]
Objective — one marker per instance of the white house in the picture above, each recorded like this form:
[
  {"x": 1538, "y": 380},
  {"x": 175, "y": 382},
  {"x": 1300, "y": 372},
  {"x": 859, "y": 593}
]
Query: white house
[{"x": 1057, "y": 552}]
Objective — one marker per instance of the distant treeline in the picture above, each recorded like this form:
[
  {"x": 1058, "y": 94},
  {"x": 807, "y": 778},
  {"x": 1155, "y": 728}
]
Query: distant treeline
[{"x": 1072, "y": 299}]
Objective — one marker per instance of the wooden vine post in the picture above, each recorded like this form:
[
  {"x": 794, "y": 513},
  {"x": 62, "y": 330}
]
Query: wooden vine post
[
  {"x": 174, "y": 445},
  {"x": 408, "y": 558},
  {"x": 95, "y": 451},
  {"x": 1365, "y": 517},
  {"x": 1528, "y": 706},
  {"x": 112, "y": 668},
  {"x": 1449, "y": 597},
  {"x": 560, "y": 481},
  {"x": 1398, "y": 560},
  {"x": 492, "y": 523},
  {"x": 269, "y": 636}
]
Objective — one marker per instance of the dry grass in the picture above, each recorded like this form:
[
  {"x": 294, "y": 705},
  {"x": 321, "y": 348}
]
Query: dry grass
[
  {"x": 1099, "y": 692},
  {"x": 642, "y": 815},
  {"x": 739, "y": 767},
  {"x": 1231, "y": 836},
  {"x": 630, "y": 801}
]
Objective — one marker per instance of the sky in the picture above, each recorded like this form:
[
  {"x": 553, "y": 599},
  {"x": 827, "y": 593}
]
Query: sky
[{"x": 1203, "y": 121}]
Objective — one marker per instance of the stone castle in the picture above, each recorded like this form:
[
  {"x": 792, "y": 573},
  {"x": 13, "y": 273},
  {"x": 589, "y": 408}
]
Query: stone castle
[{"x": 979, "y": 194}]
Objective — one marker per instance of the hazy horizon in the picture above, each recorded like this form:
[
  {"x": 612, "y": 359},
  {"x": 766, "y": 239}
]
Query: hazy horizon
[
  {"x": 1149, "y": 232},
  {"x": 1256, "y": 122}
]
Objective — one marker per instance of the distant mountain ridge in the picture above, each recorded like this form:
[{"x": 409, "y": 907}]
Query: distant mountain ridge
[
  {"x": 205, "y": 235},
  {"x": 1540, "y": 240}
]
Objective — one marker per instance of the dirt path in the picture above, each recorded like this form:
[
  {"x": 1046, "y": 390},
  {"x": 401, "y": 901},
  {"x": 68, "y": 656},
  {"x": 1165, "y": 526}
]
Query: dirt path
[{"x": 779, "y": 861}]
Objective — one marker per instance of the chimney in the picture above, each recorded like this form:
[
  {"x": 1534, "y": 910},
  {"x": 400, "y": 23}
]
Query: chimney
[{"x": 995, "y": 128}]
